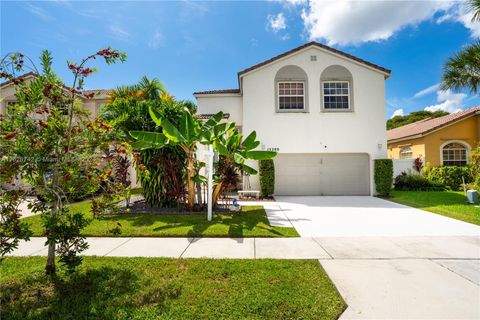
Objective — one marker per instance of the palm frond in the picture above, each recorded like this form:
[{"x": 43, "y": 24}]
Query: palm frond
[
  {"x": 474, "y": 6},
  {"x": 462, "y": 71}
]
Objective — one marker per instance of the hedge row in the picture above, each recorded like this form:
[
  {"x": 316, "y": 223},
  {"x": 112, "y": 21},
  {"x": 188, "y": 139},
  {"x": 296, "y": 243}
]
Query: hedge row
[{"x": 267, "y": 177}]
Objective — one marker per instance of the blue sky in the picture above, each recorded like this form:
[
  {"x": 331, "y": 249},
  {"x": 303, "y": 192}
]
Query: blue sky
[{"x": 192, "y": 46}]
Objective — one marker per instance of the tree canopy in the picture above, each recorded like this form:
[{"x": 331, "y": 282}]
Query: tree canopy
[{"x": 399, "y": 121}]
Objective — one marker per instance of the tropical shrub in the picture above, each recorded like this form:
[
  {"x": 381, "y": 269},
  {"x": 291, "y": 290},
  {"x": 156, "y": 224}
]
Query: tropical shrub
[
  {"x": 418, "y": 164},
  {"x": 224, "y": 137},
  {"x": 12, "y": 229},
  {"x": 383, "y": 176},
  {"x": 267, "y": 177},
  {"x": 227, "y": 175},
  {"x": 236, "y": 150},
  {"x": 416, "y": 182},
  {"x": 160, "y": 172},
  {"x": 475, "y": 167},
  {"x": 449, "y": 176}
]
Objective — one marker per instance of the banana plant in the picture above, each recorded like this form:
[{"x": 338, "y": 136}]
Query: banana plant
[
  {"x": 187, "y": 135},
  {"x": 235, "y": 152}
]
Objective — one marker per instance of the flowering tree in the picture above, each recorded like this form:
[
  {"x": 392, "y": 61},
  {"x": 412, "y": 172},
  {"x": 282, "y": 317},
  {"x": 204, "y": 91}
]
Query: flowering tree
[{"x": 51, "y": 141}]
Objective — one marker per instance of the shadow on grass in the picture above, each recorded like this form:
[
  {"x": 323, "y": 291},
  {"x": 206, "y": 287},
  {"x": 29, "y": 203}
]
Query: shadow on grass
[
  {"x": 237, "y": 225},
  {"x": 102, "y": 293}
]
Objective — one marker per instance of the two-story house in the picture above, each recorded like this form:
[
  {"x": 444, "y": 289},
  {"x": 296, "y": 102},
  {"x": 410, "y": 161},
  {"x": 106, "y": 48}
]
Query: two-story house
[
  {"x": 323, "y": 110},
  {"x": 93, "y": 105}
]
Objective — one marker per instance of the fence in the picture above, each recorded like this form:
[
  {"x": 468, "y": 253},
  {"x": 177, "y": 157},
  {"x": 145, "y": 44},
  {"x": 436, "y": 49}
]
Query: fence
[{"x": 403, "y": 165}]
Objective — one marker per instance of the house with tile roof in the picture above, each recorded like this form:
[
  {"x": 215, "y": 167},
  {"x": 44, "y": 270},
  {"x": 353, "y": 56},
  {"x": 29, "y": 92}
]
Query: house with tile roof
[
  {"x": 93, "y": 104},
  {"x": 321, "y": 109},
  {"x": 446, "y": 140}
]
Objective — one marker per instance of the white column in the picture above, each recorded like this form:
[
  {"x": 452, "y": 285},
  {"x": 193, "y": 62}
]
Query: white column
[{"x": 209, "y": 169}]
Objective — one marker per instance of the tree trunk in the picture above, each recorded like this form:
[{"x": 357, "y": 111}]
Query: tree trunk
[
  {"x": 50, "y": 266},
  {"x": 190, "y": 183},
  {"x": 199, "y": 193},
  {"x": 216, "y": 193}
]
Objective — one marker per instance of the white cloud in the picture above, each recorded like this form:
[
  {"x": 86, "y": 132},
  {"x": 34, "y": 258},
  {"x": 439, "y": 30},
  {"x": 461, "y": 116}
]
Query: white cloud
[
  {"x": 461, "y": 14},
  {"x": 353, "y": 22},
  {"x": 156, "y": 40},
  {"x": 296, "y": 2},
  {"x": 398, "y": 112},
  {"x": 426, "y": 91},
  {"x": 119, "y": 33},
  {"x": 276, "y": 22},
  {"x": 448, "y": 101},
  {"x": 39, "y": 12}
]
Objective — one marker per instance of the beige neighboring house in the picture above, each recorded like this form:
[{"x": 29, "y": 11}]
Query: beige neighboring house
[{"x": 7, "y": 97}]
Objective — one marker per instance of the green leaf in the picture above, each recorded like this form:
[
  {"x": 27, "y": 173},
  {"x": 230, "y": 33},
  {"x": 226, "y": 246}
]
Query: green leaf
[
  {"x": 141, "y": 145},
  {"x": 187, "y": 126},
  {"x": 171, "y": 132},
  {"x": 154, "y": 116},
  {"x": 250, "y": 142},
  {"x": 248, "y": 169},
  {"x": 213, "y": 120},
  {"x": 155, "y": 139},
  {"x": 220, "y": 147},
  {"x": 260, "y": 155},
  {"x": 238, "y": 158}
]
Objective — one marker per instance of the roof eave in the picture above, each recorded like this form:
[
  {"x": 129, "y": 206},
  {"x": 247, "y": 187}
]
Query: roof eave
[
  {"x": 204, "y": 95},
  {"x": 427, "y": 132},
  {"x": 386, "y": 72}
]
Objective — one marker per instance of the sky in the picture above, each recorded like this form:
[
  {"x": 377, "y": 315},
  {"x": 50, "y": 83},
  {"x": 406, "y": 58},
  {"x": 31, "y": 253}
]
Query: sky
[{"x": 192, "y": 46}]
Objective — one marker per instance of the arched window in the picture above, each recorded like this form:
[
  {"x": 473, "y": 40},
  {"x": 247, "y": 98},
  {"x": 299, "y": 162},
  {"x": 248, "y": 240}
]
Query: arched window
[
  {"x": 291, "y": 85},
  {"x": 336, "y": 87},
  {"x": 454, "y": 154},
  {"x": 406, "y": 153}
]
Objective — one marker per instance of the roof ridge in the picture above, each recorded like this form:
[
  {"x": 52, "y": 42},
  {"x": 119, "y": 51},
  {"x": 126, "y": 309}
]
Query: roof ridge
[
  {"x": 317, "y": 44},
  {"x": 427, "y": 125}
]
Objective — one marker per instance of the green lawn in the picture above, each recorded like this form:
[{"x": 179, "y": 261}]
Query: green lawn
[
  {"x": 250, "y": 222},
  {"x": 152, "y": 288},
  {"x": 447, "y": 203}
]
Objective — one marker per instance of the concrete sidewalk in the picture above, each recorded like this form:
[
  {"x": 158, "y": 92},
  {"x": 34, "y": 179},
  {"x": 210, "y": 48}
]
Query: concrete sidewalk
[{"x": 379, "y": 277}]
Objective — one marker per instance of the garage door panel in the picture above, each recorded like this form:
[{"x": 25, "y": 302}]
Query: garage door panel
[{"x": 322, "y": 174}]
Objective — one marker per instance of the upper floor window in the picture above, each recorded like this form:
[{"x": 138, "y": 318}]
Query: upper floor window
[
  {"x": 336, "y": 89},
  {"x": 291, "y": 90},
  {"x": 406, "y": 153},
  {"x": 291, "y": 95},
  {"x": 454, "y": 154},
  {"x": 336, "y": 95}
]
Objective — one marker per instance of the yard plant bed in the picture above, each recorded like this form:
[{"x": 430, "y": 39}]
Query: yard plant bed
[
  {"x": 447, "y": 203},
  {"x": 153, "y": 288},
  {"x": 250, "y": 222}
]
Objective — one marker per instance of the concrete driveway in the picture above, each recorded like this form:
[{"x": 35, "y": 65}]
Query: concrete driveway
[
  {"x": 351, "y": 216},
  {"x": 387, "y": 260}
]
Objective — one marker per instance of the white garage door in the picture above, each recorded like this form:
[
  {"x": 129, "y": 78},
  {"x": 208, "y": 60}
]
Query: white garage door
[{"x": 322, "y": 174}]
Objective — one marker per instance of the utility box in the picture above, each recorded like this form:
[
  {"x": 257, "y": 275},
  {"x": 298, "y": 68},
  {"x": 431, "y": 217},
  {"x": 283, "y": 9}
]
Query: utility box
[{"x": 472, "y": 196}]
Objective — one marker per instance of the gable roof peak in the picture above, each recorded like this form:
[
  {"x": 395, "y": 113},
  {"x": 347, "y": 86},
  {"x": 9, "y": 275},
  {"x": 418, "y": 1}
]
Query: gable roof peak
[{"x": 316, "y": 44}]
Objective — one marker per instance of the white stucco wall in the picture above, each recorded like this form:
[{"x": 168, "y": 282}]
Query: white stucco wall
[
  {"x": 362, "y": 130},
  {"x": 404, "y": 165},
  {"x": 228, "y": 103}
]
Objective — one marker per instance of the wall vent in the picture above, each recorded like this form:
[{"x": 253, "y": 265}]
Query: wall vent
[{"x": 313, "y": 58}]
